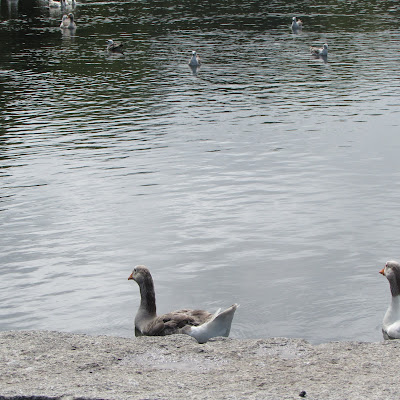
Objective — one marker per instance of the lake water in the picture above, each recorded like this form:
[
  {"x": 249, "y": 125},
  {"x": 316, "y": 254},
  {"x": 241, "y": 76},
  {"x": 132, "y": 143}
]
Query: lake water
[{"x": 268, "y": 177}]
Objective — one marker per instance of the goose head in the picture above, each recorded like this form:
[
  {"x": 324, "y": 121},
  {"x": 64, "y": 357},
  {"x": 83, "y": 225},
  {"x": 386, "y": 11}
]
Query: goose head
[
  {"x": 392, "y": 273},
  {"x": 110, "y": 42},
  {"x": 140, "y": 275}
]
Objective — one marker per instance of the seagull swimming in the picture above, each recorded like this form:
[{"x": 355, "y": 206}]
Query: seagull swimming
[
  {"x": 195, "y": 60},
  {"x": 316, "y": 51},
  {"x": 297, "y": 24},
  {"x": 114, "y": 47}
]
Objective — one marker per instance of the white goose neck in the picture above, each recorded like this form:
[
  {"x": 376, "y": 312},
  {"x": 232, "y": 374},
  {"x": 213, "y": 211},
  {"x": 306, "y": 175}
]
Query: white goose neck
[{"x": 393, "y": 312}]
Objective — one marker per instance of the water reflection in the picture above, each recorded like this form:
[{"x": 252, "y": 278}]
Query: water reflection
[
  {"x": 9, "y": 8},
  {"x": 257, "y": 179},
  {"x": 195, "y": 69}
]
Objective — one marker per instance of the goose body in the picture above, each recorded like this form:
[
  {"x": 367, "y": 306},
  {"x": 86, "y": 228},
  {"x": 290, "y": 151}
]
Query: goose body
[
  {"x": 199, "y": 324},
  {"x": 67, "y": 5},
  {"x": 316, "y": 51},
  {"x": 195, "y": 60},
  {"x": 54, "y": 4},
  {"x": 114, "y": 47},
  {"x": 297, "y": 25},
  {"x": 391, "y": 320},
  {"x": 68, "y": 22}
]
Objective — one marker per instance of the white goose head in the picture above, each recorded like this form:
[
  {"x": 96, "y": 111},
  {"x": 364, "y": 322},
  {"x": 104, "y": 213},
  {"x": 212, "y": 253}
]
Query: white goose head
[{"x": 392, "y": 273}]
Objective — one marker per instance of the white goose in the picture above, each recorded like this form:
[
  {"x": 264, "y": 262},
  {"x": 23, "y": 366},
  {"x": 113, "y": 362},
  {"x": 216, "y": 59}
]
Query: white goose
[
  {"x": 297, "y": 25},
  {"x": 391, "y": 320},
  {"x": 199, "y": 324},
  {"x": 195, "y": 60},
  {"x": 67, "y": 5},
  {"x": 54, "y": 4}
]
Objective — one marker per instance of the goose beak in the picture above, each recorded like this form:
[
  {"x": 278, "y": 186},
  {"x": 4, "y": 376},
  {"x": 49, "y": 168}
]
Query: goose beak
[
  {"x": 130, "y": 277},
  {"x": 382, "y": 271}
]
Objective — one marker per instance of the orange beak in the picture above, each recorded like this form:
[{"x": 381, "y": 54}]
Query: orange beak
[
  {"x": 130, "y": 277},
  {"x": 382, "y": 271}
]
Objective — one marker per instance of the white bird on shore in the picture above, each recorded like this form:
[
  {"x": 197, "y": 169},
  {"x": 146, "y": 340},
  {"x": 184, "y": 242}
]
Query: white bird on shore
[
  {"x": 199, "y": 324},
  {"x": 297, "y": 25},
  {"x": 391, "y": 320},
  {"x": 195, "y": 60}
]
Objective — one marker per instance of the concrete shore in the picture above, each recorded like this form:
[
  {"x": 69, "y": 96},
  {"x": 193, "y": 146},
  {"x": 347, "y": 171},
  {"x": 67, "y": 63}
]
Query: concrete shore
[{"x": 53, "y": 365}]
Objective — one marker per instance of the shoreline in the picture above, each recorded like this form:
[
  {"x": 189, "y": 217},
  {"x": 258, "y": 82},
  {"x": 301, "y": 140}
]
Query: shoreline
[{"x": 55, "y": 365}]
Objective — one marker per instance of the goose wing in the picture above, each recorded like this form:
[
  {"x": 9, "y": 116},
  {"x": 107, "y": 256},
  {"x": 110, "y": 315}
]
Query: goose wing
[{"x": 173, "y": 322}]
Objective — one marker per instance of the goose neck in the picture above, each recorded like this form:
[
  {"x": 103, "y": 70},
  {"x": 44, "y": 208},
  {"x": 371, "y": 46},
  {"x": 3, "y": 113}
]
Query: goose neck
[
  {"x": 393, "y": 313},
  {"x": 147, "y": 297}
]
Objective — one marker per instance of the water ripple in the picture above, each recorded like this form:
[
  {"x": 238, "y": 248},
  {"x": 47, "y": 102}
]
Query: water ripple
[{"x": 266, "y": 177}]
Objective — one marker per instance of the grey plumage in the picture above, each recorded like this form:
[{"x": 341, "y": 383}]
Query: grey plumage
[{"x": 205, "y": 325}]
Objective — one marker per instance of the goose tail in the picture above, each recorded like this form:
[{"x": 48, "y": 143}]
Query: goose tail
[{"x": 219, "y": 325}]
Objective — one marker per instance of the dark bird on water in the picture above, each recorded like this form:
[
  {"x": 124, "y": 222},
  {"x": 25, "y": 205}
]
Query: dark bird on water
[{"x": 113, "y": 47}]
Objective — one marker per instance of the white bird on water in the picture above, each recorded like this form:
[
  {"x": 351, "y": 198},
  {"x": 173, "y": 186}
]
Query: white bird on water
[
  {"x": 322, "y": 51},
  {"x": 195, "y": 60},
  {"x": 297, "y": 24},
  {"x": 68, "y": 22}
]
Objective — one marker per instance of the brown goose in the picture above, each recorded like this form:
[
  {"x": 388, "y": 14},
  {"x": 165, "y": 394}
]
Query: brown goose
[
  {"x": 391, "y": 320},
  {"x": 200, "y": 324}
]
